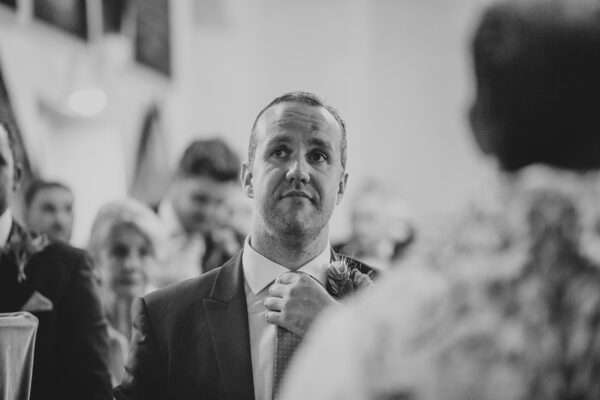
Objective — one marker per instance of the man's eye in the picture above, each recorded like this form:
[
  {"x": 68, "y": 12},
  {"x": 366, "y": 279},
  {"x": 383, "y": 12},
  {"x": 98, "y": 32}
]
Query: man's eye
[
  {"x": 201, "y": 199},
  {"x": 145, "y": 252},
  {"x": 280, "y": 153},
  {"x": 119, "y": 251},
  {"x": 317, "y": 156}
]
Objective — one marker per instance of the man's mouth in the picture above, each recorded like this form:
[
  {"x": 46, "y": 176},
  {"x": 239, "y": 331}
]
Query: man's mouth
[
  {"x": 297, "y": 193},
  {"x": 128, "y": 280}
]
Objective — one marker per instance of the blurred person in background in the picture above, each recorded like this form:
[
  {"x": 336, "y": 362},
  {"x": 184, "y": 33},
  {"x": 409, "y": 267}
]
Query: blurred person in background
[
  {"x": 196, "y": 211},
  {"x": 49, "y": 209},
  {"x": 55, "y": 282},
  {"x": 506, "y": 306},
  {"x": 125, "y": 242},
  {"x": 382, "y": 227}
]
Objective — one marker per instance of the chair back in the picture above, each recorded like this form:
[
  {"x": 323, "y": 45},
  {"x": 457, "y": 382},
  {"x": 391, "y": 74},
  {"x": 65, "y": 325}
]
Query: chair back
[{"x": 17, "y": 344}]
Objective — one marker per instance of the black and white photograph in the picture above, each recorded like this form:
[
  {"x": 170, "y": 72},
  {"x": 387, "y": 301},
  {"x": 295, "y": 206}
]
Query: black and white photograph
[{"x": 292, "y": 200}]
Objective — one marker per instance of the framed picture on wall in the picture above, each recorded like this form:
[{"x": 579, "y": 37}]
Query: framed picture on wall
[
  {"x": 116, "y": 15},
  {"x": 153, "y": 35},
  {"x": 9, "y": 3},
  {"x": 67, "y": 15}
]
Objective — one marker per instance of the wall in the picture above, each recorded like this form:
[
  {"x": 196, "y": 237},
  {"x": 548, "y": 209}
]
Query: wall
[{"x": 398, "y": 72}]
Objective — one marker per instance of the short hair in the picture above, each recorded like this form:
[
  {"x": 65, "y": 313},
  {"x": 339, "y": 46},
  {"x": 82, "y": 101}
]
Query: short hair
[
  {"x": 307, "y": 98},
  {"x": 37, "y": 185},
  {"x": 211, "y": 158},
  {"x": 537, "y": 80},
  {"x": 125, "y": 212}
]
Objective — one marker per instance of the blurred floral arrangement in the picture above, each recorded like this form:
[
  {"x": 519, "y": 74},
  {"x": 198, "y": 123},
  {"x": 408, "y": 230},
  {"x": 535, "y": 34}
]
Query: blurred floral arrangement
[{"x": 523, "y": 313}]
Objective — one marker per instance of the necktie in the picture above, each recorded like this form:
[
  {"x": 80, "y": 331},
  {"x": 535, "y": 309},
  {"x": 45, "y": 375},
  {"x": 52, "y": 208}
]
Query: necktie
[{"x": 286, "y": 345}]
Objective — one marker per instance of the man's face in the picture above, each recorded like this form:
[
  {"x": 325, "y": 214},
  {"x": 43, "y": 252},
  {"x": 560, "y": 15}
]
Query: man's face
[
  {"x": 200, "y": 202},
  {"x": 51, "y": 213},
  {"x": 297, "y": 176},
  {"x": 8, "y": 171}
]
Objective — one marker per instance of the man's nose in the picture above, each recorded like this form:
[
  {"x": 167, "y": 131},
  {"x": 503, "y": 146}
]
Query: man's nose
[
  {"x": 63, "y": 219},
  {"x": 132, "y": 263},
  {"x": 298, "y": 171}
]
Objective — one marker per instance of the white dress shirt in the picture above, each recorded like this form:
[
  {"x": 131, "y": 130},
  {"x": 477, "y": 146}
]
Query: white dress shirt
[
  {"x": 5, "y": 226},
  {"x": 183, "y": 252},
  {"x": 259, "y": 273}
]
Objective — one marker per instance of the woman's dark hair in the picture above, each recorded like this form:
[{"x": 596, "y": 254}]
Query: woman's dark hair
[{"x": 537, "y": 71}]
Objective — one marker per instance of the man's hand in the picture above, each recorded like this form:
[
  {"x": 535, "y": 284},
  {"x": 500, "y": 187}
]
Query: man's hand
[{"x": 295, "y": 299}]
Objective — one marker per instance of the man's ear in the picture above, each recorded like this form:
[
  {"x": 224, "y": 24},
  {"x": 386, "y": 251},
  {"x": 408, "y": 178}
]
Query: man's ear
[
  {"x": 246, "y": 179},
  {"x": 17, "y": 176},
  {"x": 342, "y": 187}
]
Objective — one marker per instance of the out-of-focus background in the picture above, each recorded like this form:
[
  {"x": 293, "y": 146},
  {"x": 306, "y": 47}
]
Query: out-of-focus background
[{"x": 104, "y": 92}]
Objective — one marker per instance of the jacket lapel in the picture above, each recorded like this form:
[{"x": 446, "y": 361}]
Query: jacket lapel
[
  {"x": 16, "y": 234},
  {"x": 227, "y": 316},
  {"x": 13, "y": 293}
]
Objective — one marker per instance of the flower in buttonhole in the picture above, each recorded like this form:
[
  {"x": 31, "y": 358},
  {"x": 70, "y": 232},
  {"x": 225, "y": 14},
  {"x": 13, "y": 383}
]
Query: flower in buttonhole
[{"x": 344, "y": 277}]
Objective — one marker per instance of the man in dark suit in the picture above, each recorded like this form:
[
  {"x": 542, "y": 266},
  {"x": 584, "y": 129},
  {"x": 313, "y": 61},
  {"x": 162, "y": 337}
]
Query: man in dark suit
[
  {"x": 229, "y": 333},
  {"x": 54, "y": 282},
  {"x": 49, "y": 209}
]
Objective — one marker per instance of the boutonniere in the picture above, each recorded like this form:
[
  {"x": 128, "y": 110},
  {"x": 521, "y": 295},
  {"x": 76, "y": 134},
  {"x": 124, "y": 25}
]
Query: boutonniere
[
  {"x": 344, "y": 278},
  {"x": 21, "y": 247}
]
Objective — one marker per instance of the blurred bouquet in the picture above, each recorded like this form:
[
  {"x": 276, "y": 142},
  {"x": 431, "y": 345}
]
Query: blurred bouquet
[{"x": 524, "y": 311}]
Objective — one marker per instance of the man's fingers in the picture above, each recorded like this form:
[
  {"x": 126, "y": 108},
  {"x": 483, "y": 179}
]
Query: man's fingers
[
  {"x": 277, "y": 290},
  {"x": 280, "y": 288},
  {"x": 274, "y": 317},
  {"x": 278, "y": 319},
  {"x": 287, "y": 278},
  {"x": 274, "y": 303}
]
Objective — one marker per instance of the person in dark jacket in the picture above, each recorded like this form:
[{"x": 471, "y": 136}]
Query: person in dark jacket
[{"x": 54, "y": 282}]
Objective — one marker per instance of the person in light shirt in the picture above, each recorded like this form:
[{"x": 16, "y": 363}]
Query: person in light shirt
[{"x": 195, "y": 212}]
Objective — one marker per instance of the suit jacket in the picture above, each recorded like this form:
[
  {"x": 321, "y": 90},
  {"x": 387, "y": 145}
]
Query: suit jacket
[
  {"x": 191, "y": 340},
  {"x": 71, "y": 344}
]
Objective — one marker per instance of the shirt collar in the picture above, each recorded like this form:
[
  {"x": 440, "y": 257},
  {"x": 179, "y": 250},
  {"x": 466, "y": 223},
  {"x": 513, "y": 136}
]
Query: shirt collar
[
  {"x": 167, "y": 214},
  {"x": 5, "y": 226},
  {"x": 259, "y": 271}
]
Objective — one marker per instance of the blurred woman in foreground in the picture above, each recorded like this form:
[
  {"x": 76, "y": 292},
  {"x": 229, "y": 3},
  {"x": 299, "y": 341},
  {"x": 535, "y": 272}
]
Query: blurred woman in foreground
[{"x": 507, "y": 305}]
